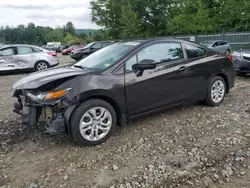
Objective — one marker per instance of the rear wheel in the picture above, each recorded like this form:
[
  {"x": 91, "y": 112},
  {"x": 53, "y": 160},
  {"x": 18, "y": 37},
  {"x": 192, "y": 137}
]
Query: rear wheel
[
  {"x": 93, "y": 122},
  {"x": 216, "y": 91},
  {"x": 41, "y": 65}
]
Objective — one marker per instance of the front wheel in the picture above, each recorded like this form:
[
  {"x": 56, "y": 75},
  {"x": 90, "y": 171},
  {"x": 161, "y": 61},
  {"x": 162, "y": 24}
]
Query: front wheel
[
  {"x": 93, "y": 122},
  {"x": 216, "y": 91}
]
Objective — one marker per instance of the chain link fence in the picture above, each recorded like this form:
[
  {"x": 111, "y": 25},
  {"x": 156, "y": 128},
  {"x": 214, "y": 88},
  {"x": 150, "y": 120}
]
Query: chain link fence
[{"x": 236, "y": 40}]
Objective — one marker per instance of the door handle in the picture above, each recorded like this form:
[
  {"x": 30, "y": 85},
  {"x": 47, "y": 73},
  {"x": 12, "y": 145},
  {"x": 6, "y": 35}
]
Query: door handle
[{"x": 183, "y": 68}]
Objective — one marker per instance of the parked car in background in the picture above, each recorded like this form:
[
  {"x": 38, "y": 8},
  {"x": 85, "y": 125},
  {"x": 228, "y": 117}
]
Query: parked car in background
[
  {"x": 68, "y": 50},
  {"x": 121, "y": 82},
  {"x": 221, "y": 46},
  {"x": 59, "y": 49},
  {"x": 241, "y": 61},
  {"x": 89, "y": 49},
  {"x": 49, "y": 48},
  {"x": 20, "y": 57}
]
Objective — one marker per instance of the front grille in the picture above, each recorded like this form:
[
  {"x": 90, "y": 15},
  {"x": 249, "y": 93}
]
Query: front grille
[{"x": 246, "y": 58}]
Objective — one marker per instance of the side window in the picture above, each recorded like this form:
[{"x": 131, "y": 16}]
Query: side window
[
  {"x": 7, "y": 52},
  {"x": 130, "y": 63},
  {"x": 222, "y": 43},
  {"x": 162, "y": 53},
  {"x": 37, "y": 50},
  {"x": 24, "y": 50},
  {"x": 216, "y": 44},
  {"x": 97, "y": 46},
  {"x": 194, "y": 51}
]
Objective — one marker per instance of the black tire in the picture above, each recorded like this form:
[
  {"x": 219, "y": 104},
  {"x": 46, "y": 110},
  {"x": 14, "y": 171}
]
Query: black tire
[
  {"x": 209, "y": 101},
  {"x": 38, "y": 64},
  {"x": 227, "y": 51},
  {"x": 80, "y": 111}
]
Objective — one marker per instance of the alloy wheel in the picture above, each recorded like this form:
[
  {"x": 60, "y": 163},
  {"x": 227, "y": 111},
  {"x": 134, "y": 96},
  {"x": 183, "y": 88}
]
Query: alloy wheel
[
  {"x": 95, "y": 124},
  {"x": 42, "y": 66},
  {"x": 218, "y": 91}
]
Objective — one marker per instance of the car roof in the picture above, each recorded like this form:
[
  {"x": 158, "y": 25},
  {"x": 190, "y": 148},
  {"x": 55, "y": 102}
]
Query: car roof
[
  {"x": 149, "y": 40},
  {"x": 16, "y": 45},
  {"x": 214, "y": 41}
]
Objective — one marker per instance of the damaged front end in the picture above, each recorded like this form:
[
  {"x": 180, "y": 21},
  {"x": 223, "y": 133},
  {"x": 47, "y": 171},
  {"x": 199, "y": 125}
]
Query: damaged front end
[{"x": 32, "y": 104}]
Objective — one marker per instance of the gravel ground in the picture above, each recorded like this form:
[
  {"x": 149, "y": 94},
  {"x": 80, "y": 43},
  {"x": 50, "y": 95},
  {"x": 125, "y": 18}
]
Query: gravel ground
[{"x": 195, "y": 146}]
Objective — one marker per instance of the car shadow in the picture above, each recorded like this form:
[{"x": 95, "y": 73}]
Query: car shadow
[{"x": 15, "y": 72}]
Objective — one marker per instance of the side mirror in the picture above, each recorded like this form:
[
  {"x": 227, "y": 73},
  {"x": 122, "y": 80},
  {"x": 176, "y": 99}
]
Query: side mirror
[{"x": 145, "y": 64}]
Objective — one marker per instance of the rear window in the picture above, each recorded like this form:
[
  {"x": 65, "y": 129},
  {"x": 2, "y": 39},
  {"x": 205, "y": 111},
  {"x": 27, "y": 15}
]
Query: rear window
[
  {"x": 194, "y": 51},
  {"x": 222, "y": 43}
]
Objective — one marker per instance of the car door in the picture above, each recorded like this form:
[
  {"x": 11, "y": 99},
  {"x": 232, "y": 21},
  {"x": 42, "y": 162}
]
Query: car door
[
  {"x": 216, "y": 46},
  {"x": 8, "y": 60},
  {"x": 164, "y": 86},
  {"x": 221, "y": 47},
  {"x": 25, "y": 57},
  {"x": 199, "y": 71},
  {"x": 224, "y": 47}
]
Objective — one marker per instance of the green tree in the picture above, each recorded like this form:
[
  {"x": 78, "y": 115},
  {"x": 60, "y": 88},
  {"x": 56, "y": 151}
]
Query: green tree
[
  {"x": 130, "y": 23},
  {"x": 234, "y": 15},
  {"x": 107, "y": 13},
  {"x": 72, "y": 40},
  {"x": 193, "y": 18},
  {"x": 70, "y": 28}
]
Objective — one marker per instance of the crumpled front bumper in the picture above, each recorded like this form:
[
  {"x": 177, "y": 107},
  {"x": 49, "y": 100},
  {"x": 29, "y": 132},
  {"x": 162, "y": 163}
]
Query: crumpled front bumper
[
  {"x": 22, "y": 107},
  {"x": 30, "y": 112}
]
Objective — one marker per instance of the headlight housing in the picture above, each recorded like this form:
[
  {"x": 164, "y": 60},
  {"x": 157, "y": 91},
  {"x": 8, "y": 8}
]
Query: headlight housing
[{"x": 49, "y": 96}]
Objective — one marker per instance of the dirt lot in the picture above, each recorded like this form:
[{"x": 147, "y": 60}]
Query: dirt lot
[{"x": 196, "y": 146}]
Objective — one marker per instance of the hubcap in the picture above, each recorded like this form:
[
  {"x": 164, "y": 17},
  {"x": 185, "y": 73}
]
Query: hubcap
[
  {"x": 95, "y": 124},
  {"x": 218, "y": 91},
  {"x": 42, "y": 66}
]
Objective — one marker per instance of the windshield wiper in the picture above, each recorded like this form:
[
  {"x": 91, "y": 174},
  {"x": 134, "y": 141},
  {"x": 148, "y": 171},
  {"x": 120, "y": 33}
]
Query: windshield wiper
[{"x": 82, "y": 67}]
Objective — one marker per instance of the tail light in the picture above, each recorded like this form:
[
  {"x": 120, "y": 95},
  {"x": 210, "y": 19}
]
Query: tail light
[
  {"x": 54, "y": 54},
  {"x": 230, "y": 58}
]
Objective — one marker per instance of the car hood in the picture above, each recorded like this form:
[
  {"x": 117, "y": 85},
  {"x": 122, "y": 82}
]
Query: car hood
[
  {"x": 80, "y": 50},
  {"x": 68, "y": 49},
  {"x": 38, "y": 79}
]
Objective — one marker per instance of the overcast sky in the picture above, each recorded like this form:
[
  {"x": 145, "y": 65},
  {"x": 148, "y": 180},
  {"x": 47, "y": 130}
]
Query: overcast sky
[{"x": 46, "y": 12}]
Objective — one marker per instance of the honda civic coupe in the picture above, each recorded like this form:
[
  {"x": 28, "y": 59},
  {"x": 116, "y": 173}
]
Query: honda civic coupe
[{"x": 121, "y": 82}]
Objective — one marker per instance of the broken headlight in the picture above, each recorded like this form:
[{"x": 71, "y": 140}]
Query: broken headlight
[{"x": 49, "y": 96}]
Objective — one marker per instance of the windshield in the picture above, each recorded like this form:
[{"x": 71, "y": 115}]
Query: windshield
[
  {"x": 207, "y": 43},
  {"x": 108, "y": 56}
]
